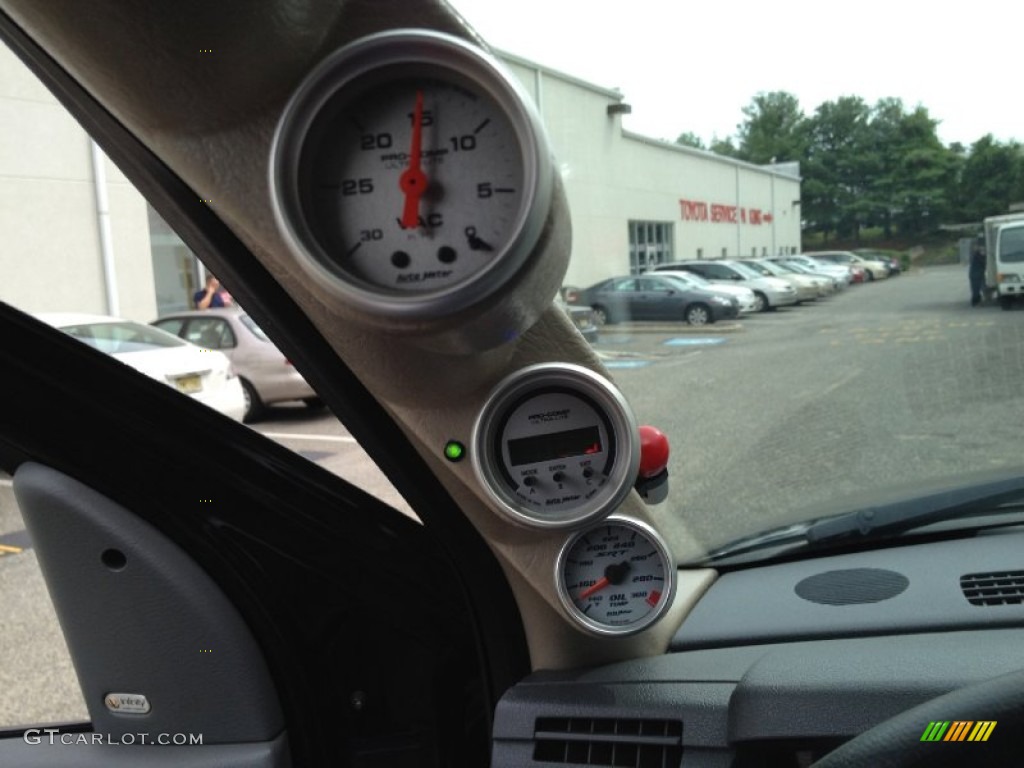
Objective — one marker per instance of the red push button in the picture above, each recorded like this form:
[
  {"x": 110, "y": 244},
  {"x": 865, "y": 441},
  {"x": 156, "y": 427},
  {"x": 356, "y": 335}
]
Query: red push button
[{"x": 653, "y": 451}]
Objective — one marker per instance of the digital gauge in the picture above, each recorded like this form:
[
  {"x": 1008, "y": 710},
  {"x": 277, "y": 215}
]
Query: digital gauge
[
  {"x": 615, "y": 578},
  {"x": 411, "y": 175},
  {"x": 556, "y": 445}
]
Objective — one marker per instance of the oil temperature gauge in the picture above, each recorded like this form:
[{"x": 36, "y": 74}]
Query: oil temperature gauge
[{"x": 615, "y": 578}]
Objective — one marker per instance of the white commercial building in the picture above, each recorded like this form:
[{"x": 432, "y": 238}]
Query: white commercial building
[
  {"x": 635, "y": 201},
  {"x": 638, "y": 201}
]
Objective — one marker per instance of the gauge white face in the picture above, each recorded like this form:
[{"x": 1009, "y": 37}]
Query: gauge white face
[
  {"x": 616, "y": 577},
  {"x": 415, "y": 182},
  {"x": 556, "y": 445},
  {"x": 411, "y": 175}
]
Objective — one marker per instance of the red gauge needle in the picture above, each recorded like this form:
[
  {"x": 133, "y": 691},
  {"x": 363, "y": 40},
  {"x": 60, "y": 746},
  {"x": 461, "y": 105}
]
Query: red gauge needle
[
  {"x": 597, "y": 585},
  {"x": 413, "y": 180}
]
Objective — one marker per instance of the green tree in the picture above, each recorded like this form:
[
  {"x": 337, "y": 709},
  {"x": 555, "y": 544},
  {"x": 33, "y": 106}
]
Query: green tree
[
  {"x": 724, "y": 147},
  {"x": 991, "y": 178},
  {"x": 924, "y": 174},
  {"x": 838, "y": 167},
  {"x": 690, "y": 139},
  {"x": 773, "y": 130}
]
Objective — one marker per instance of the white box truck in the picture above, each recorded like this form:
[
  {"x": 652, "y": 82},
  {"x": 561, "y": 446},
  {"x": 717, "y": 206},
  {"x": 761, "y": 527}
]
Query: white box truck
[{"x": 1004, "y": 247}]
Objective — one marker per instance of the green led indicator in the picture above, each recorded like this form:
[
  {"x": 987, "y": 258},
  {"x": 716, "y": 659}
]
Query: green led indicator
[{"x": 454, "y": 450}]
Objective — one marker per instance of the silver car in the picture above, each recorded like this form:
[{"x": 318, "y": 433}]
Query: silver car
[
  {"x": 770, "y": 292},
  {"x": 838, "y": 271},
  {"x": 807, "y": 288},
  {"x": 744, "y": 296},
  {"x": 267, "y": 376}
]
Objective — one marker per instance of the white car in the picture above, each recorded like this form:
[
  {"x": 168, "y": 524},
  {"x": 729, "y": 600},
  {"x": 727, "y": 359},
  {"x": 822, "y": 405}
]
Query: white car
[
  {"x": 203, "y": 374},
  {"x": 876, "y": 270},
  {"x": 747, "y": 298},
  {"x": 813, "y": 266}
]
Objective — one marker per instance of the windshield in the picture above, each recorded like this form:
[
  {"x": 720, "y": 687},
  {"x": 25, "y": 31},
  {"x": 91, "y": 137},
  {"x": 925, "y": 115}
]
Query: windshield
[
  {"x": 249, "y": 323},
  {"x": 695, "y": 281},
  {"x": 792, "y": 404},
  {"x": 745, "y": 269},
  {"x": 122, "y": 337},
  {"x": 761, "y": 269},
  {"x": 1011, "y": 245},
  {"x": 884, "y": 380}
]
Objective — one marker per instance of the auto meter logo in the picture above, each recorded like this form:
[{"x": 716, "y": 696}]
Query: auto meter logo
[
  {"x": 562, "y": 413},
  {"x": 959, "y": 730}
]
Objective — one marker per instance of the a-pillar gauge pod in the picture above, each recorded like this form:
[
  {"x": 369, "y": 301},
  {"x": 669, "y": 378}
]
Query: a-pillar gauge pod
[{"x": 412, "y": 180}]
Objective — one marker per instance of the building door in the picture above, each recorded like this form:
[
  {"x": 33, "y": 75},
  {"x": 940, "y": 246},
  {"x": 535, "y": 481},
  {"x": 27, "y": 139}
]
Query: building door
[
  {"x": 650, "y": 244},
  {"x": 175, "y": 268}
]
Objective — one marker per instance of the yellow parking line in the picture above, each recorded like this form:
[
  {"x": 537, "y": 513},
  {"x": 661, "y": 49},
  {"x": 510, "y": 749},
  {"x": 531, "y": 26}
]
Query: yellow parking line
[{"x": 8, "y": 549}]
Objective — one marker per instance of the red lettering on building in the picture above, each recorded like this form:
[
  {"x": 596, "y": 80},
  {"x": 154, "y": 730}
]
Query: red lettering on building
[
  {"x": 698, "y": 210},
  {"x": 726, "y": 213},
  {"x": 693, "y": 210}
]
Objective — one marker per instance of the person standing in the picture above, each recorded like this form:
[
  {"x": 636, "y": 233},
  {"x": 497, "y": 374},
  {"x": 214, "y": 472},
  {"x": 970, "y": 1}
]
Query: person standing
[
  {"x": 212, "y": 296},
  {"x": 977, "y": 273}
]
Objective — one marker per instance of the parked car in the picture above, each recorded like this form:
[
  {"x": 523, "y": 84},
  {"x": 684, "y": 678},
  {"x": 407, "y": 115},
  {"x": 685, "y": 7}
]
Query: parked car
[
  {"x": 747, "y": 298},
  {"x": 771, "y": 292},
  {"x": 874, "y": 270},
  {"x": 266, "y": 375},
  {"x": 893, "y": 262},
  {"x": 203, "y": 374},
  {"x": 651, "y": 297},
  {"x": 841, "y": 274},
  {"x": 582, "y": 317},
  {"x": 833, "y": 282},
  {"x": 807, "y": 288}
]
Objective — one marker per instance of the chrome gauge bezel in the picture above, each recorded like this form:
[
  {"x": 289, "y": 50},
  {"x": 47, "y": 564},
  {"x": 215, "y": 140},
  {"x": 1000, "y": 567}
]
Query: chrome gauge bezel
[
  {"x": 438, "y": 56},
  {"x": 597, "y": 392},
  {"x": 601, "y": 629}
]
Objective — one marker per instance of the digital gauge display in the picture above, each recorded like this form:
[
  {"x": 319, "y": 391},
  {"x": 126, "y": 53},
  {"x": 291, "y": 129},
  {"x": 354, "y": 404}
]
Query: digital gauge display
[
  {"x": 556, "y": 445},
  {"x": 615, "y": 578}
]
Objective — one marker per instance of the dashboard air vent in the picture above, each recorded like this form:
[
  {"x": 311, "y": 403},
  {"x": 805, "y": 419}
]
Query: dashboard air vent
[
  {"x": 1000, "y": 588},
  {"x": 608, "y": 741}
]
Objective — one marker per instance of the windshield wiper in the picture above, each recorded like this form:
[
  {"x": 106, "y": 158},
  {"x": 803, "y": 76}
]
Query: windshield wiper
[{"x": 883, "y": 521}]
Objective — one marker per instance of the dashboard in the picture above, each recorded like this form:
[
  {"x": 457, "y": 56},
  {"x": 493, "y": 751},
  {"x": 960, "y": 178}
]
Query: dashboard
[{"x": 778, "y": 665}]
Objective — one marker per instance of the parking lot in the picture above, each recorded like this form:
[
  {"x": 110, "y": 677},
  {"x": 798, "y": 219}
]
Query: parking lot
[{"x": 878, "y": 358}]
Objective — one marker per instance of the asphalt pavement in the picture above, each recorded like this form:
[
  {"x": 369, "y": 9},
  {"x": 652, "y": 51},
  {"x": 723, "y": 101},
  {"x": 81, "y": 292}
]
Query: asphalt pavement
[
  {"x": 893, "y": 381},
  {"x": 769, "y": 418}
]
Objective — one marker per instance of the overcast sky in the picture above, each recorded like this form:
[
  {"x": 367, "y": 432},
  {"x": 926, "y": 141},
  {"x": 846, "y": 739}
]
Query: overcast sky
[{"x": 686, "y": 66}]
